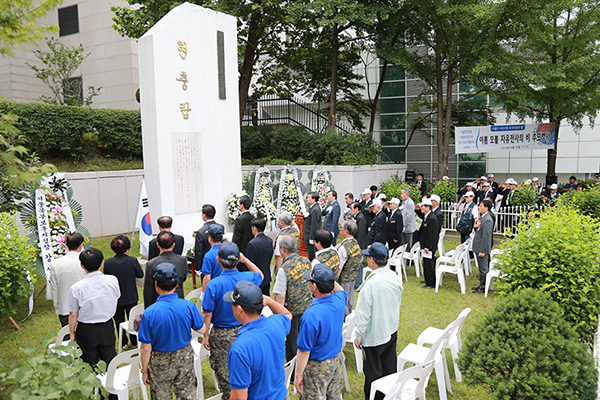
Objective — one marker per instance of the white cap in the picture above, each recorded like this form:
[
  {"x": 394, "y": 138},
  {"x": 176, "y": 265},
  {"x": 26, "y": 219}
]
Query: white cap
[
  {"x": 490, "y": 175},
  {"x": 425, "y": 202},
  {"x": 435, "y": 197},
  {"x": 445, "y": 178},
  {"x": 511, "y": 181},
  {"x": 486, "y": 184},
  {"x": 484, "y": 178},
  {"x": 377, "y": 203},
  {"x": 535, "y": 179},
  {"x": 469, "y": 184},
  {"x": 470, "y": 193},
  {"x": 395, "y": 200},
  {"x": 381, "y": 196},
  {"x": 553, "y": 186},
  {"x": 366, "y": 191},
  {"x": 527, "y": 181}
]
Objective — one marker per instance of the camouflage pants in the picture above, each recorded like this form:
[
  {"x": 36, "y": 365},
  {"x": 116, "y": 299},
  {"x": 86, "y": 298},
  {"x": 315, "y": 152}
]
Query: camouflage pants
[
  {"x": 324, "y": 379},
  {"x": 220, "y": 341},
  {"x": 174, "y": 369}
]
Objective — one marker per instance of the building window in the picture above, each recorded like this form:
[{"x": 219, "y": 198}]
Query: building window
[
  {"x": 73, "y": 91},
  {"x": 392, "y": 114},
  {"x": 68, "y": 20}
]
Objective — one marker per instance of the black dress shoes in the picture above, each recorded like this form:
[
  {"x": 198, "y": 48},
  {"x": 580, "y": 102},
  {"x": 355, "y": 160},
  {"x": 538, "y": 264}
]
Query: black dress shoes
[
  {"x": 479, "y": 290},
  {"x": 428, "y": 287}
]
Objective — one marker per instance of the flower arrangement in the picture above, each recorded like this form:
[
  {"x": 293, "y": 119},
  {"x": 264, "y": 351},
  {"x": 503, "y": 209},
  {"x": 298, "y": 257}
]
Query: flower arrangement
[
  {"x": 59, "y": 229},
  {"x": 321, "y": 185},
  {"x": 232, "y": 204},
  {"x": 290, "y": 192},
  {"x": 263, "y": 196}
]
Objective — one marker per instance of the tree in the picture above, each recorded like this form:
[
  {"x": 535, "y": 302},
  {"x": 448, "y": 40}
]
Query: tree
[
  {"x": 260, "y": 24},
  {"x": 553, "y": 72},
  {"x": 60, "y": 65},
  {"x": 17, "y": 23}
]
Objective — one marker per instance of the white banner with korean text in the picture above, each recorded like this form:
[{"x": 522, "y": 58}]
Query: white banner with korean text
[
  {"x": 44, "y": 236},
  {"x": 487, "y": 139}
]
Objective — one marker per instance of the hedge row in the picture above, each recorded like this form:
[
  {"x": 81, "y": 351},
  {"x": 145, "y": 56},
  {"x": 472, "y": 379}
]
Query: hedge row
[{"x": 65, "y": 132}]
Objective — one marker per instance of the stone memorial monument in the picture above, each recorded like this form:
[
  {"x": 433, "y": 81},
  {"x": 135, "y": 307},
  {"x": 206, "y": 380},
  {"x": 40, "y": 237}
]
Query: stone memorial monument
[{"x": 189, "y": 106}]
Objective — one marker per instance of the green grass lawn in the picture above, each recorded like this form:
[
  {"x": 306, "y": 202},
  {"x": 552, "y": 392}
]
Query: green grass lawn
[{"x": 420, "y": 308}]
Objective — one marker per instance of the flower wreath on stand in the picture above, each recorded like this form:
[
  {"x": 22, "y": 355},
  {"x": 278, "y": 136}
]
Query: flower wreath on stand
[
  {"x": 320, "y": 183},
  {"x": 263, "y": 196},
  {"x": 232, "y": 204},
  {"x": 290, "y": 197}
]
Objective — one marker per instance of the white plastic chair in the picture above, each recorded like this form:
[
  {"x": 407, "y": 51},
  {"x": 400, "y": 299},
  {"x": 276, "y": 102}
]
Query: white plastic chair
[
  {"x": 120, "y": 380},
  {"x": 431, "y": 334},
  {"x": 409, "y": 384},
  {"x": 59, "y": 341},
  {"x": 493, "y": 272},
  {"x": 441, "y": 247},
  {"x": 127, "y": 326},
  {"x": 414, "y": 255},
  {"x": 397, "y": 260},
  {"x": 289, "y": 367},
  {"x": 358, "y": 353},
  {"x": 419, "y": 355},
  {"x": 266, "y": 311},
  {"x": 345, "y": 332},
  {"x": 366, "y": 270},
  {"x": 200, "y": 354},
  {"x": 349, "y": 329},
  {"x": 198, "y": 295},
  {"x": 452, "y": 265}
]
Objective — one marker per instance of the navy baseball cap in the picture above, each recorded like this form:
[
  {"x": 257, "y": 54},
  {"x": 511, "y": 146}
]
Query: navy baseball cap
[
  {"x": 246, "y": 294},
  {"x": 377, "y": 250},
  {"x": 165, "y": 272},
  {"x": 215, "y": 230},
  {"x": 229, "y": 251},
  {"x": 321, "y": 274}
]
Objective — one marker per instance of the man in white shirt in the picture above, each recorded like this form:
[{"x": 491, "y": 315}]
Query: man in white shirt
[{"x": 66, "y": 271}]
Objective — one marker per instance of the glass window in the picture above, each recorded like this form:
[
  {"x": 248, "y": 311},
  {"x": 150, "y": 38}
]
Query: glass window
[
  {"x": 393, "y": 105},
  {"x": 68, "y": 20},
  {"x": 393, "y": 89},
  {"x": 471, "y": 169},
  {"x": 393, "y": 138},
  {"x": 393, "y": 122},
  {"x": 393, "y": 73},
  {"x": 391, "y": 155}
]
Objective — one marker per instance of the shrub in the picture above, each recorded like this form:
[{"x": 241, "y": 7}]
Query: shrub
[
  {"x": 392, "y": 188},
  {"x": 585, "y": 201},
  {"x": 524, "y": 195},
  {"x": 524, "y": 349},
  {"x": 558, "y": 254},
  {"x": 16, "y": 259},
  {"x": 446, "y": 189},
  {"x": 50, "y": 376}
]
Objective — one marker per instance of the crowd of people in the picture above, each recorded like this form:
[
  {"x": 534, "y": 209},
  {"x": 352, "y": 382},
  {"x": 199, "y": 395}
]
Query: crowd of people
[{"x": 310, "y": 296}]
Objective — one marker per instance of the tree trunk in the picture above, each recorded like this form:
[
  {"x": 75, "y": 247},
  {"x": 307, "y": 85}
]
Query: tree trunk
[
  {"x": 334, "y": 66},
  {"x": 551, "y": 169},
  {"x": 376, "y": 98},
  {"x": 440, "y": 109},
  {"x": 445, "y": 149},
  {"x": 250, "y": 57}
]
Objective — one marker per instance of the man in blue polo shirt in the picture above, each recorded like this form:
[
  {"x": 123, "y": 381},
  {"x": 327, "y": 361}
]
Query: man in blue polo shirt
[
  {"x": 256, "y": 358},
  {"x": 165, "y": 333},
  {"x": 210, "y": 267},
  {"x": 216, "y": 311},
  {"x": 319, "y": 366}
]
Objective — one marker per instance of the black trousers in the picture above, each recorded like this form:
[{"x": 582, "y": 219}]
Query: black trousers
[
  {"x": 291, "y": 346},
  {"x": 380, "y": 361},
  {"x": 311, "y": 251},
  {"x": 97, "y": 342},
  {"x": 64, "y": 321},
  {"x": 429, "y": 270},
  {"x": 120, "y": 314}
]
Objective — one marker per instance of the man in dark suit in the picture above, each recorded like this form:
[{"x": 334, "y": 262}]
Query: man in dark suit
[
  {"x": 242, "y": 228},
  {"x": 486, "y": 193},
  {"x": 365, "y": 203},
  {"x": 332, "y": 215},
  {"x": 166, "y": 243},
  {"x": 312, "y": 222},
  {"x": 164, "y": 224},
  {"x": 377, "y": 232},
  {"x": 260, "y": 252},
  {"x": 482, "y": 242},
  {"x": 361, "y": 223},
  {"x": 395, "y": 225},
  {"x": 428, "y": 237},
  {"x": 202, "y": 246},
  {"x": 435, "y": 209},
  {"x": 422, "y": 185}
]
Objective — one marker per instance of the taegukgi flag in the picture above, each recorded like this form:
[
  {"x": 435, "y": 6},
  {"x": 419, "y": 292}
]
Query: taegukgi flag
[{"x": 143, "y": 221}]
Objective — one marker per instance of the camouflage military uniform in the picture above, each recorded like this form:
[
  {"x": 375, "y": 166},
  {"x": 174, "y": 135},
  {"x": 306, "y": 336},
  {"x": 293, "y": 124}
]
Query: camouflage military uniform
[
  {"x": 221, "y": 340},
  {"x": 293, "y": 232},
  {"x": 331, "y": 258},
  {"x": 350, "y": 270},
  {"x": 176, "y": 368},
  {"x": 324, "y": 379}
]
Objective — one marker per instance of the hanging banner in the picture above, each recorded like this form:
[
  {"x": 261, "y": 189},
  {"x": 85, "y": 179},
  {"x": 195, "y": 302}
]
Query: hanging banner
[
  {"x": 488, "y": 139},
  {"x": 44, "y": 235}
]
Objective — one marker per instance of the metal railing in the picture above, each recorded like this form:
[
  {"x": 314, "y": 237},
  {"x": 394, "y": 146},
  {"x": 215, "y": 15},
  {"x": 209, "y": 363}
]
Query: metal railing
[
  {"x": 271, "y": 110},
  {"x": 506, "y": 217}
]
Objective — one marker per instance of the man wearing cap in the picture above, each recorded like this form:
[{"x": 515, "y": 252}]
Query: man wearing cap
[
  {"x": 365, "y": 203},
  {"x": 326, "y": 253},
  {"x": 164, "y": 224},
  {"x": 394, "y": 226},
  {"x": 202, "y": 246},
  {"x": 350, "y": 262},
  {"x": 332, "y": 215},
  {"x": 319, "y": 366},
  {"x": 165, "y": 333},
  {"x": 486, "y": 193},
  {"x": 216, "y": 311},
  {"x": 378, "y": 317},
  {"x": 377, "y": 231},
  {"x": 421, "y": 185},
  {"x": 467, "y": 217},
  {"x": 91, "y": 305},
  {"x": 260, "y": 252},
  {"x": 435, "y": 209},
  {"x": 255, "y": 359},
  {"x": 493, "y": 184},
  {"x": 428, "y": 237},
  {"x": 312, "y": 222},
  {"x": 408, "y": 217},
  {"x": 461, "y": 192},
  {"x": 554, "y": 195},
  {"x": 285, "y": 223},
  {"x": 291, "y": 290},
  {"x": 210, "y": 267},
  {"x": 166, "y": 243},
  {"x": 483, "y": 241}
]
